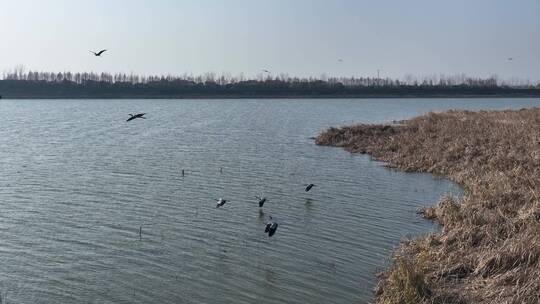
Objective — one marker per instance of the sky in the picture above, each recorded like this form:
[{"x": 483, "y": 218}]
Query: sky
[{"x": 294, "y": 37}]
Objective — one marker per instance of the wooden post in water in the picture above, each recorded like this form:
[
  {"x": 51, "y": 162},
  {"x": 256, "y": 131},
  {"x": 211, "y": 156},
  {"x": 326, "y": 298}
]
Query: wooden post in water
[
  {"x": 140, "y": 233},
  {"x": 182, "y": 172}
]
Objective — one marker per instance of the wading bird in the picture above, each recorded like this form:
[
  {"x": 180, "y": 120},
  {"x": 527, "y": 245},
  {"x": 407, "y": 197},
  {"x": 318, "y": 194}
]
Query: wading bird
[
  {"x": 220, "y": 202},
  {"x": 98, "y": 54},
  {"x": 133, "y": 116},
  {"x": 262, "y": 200},
  {"x": 309, "y": 187},
  {"x": 271, "y": 227}
]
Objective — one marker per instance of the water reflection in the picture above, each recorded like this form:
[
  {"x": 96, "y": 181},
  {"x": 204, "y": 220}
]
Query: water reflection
[{"x": 75, "y": 189}]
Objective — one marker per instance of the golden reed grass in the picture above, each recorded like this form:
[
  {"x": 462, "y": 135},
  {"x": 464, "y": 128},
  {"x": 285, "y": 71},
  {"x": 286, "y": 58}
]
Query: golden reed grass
[{"x": 488, "y": 250}]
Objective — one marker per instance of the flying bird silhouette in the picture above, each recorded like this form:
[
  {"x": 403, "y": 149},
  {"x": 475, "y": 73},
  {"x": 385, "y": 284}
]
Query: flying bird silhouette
[
  {"x": 262, "y": 200},
  {"x": 271, "y": 227},
  {"x": 309, "y": 187},
  {"x": 133, "y": 116},
  {"x": 98, "y": 54},
  {"x": 220, "y": 202}
]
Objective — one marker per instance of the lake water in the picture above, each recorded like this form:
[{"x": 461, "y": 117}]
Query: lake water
[{"x": 78, "y": 181}]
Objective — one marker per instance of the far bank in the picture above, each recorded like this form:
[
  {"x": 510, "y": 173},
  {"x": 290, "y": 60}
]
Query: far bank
[{"x": 60, "y": 88}]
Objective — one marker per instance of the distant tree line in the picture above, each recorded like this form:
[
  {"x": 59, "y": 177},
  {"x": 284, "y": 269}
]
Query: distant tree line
[{"x": 19, "y": 84}]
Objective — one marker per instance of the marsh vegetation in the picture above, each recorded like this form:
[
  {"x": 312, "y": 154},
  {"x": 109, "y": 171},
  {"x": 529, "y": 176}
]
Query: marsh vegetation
[{"x": 488, "y": 250}]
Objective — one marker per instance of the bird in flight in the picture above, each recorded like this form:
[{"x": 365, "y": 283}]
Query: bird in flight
[
  {"x": 220, "y": 202},
  {"x": 133, "y": 116},
  {"x": 271, "y": 227},
  {"x": 309, "y": 187},
  {"x": 98, "y": 54},
  {"x": 262, "y": 200}
]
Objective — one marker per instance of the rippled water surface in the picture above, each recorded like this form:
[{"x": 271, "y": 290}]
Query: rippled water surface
[{"x": 78, "y": 181}]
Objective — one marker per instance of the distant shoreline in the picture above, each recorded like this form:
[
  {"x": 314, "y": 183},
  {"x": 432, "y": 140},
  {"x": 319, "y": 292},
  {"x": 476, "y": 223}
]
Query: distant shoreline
[
  {"x": 352, "y": 96},
  {"x": 93, "y": 86}
]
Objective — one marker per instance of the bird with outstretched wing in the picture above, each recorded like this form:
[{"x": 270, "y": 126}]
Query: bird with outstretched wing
[{"x": 98, "y": 54}]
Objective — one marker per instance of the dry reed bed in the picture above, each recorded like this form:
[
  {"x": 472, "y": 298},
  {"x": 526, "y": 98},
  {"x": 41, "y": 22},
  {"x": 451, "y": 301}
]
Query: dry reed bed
[{"x": 489, "y": 248}]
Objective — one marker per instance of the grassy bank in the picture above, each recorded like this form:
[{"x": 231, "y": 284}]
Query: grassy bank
[{"x": 488, "y": 250}]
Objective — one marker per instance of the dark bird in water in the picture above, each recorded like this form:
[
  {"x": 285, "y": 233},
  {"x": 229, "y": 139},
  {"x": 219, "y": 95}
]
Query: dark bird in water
[
  {"x": 266, "y": 71},
  {"x": 262, "y": 200},
  {"x": 133, "y": 116},
  {"x": 98, "y": 54},
  {"x": 309, "y": 187},
  {"x": 510, "y": 59},
  {"x": 220, "y": 202},
  {"x": 271, "y": 227}
]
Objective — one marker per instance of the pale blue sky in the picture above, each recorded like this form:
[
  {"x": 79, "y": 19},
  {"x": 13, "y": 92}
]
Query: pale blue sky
[{"x": 298, "y": 37}]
